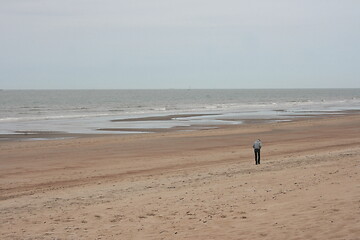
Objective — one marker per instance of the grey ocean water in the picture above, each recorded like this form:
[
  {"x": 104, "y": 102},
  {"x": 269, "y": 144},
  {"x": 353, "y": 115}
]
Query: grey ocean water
[{"x": 86, "y": 111}]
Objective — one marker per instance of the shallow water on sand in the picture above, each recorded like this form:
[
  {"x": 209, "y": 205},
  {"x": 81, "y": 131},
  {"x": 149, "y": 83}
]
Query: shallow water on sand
[{"x": 87, "y": 111}]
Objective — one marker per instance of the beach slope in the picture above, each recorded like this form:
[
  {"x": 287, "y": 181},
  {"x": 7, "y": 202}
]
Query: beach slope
[{"x": 187, "y": 185}]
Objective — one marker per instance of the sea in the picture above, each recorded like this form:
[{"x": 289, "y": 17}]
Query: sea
[{"x": 94, "y": 111}]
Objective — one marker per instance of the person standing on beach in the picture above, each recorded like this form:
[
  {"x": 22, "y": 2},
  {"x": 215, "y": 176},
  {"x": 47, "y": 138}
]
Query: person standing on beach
[{"x": 257, "y": 146}]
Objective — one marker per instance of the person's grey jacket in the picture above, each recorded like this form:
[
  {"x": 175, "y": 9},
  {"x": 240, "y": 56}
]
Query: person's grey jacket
[{"x": 257, "y": 144}]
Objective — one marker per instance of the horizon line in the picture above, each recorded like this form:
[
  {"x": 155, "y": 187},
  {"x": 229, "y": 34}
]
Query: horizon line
[{"x": 90, "y": 89}]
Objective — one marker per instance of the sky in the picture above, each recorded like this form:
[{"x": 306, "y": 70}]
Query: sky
[{"x": 161, "y": 44}]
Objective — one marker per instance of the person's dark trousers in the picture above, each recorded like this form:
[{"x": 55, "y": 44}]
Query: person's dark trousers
[{"x": 257, "y": 156}]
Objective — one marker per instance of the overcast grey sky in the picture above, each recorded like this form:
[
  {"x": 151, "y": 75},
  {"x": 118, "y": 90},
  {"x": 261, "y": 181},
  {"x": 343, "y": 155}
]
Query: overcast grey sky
[{"x": 86, "y": 44}]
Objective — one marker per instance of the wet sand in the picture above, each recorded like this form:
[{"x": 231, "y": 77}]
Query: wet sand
[
  {"x": 162, "y": 118},
  {"x": 187, "y": 185}
]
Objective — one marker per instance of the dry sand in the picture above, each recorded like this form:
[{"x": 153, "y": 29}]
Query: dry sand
[{"x": 187, "y": 185}]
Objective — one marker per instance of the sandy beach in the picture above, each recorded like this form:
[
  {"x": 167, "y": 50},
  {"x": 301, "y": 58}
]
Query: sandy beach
[{"x": 187, "y": 185}]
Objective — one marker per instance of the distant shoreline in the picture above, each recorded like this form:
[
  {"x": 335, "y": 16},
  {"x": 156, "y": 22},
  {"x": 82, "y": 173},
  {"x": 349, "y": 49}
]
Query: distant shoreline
[
  {"x": 141, "y": 111},
  {"x": 57, "y": 135}
]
